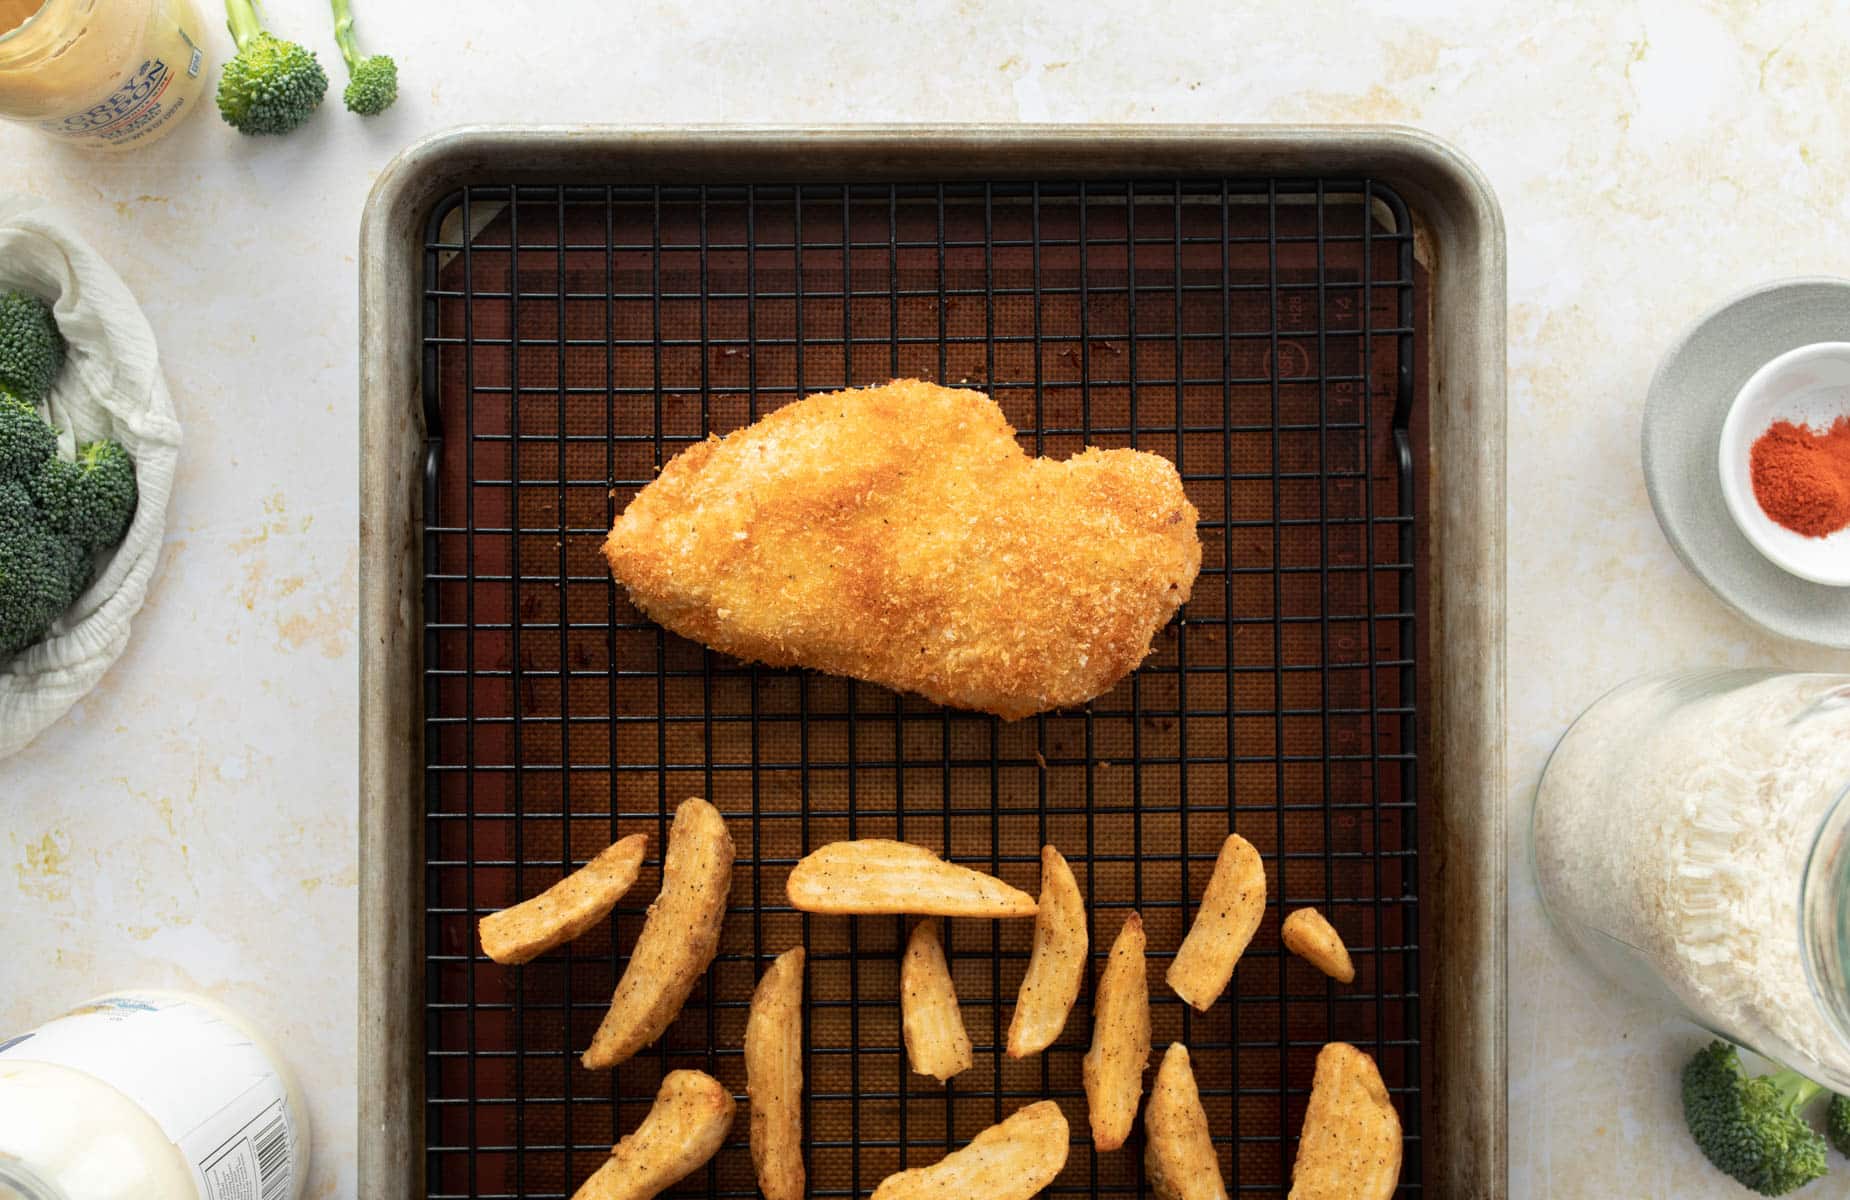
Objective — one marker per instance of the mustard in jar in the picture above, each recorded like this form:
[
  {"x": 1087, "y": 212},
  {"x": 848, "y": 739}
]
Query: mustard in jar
[{"x": 104, "y": 74}]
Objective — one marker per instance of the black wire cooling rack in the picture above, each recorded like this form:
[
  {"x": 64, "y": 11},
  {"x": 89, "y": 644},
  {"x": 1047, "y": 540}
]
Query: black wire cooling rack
[{"x": 1259, "y": 332}]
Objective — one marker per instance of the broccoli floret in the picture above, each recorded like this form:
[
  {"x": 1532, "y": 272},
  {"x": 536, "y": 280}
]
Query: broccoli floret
[
  {"x": 1749, "y": 1126},
  {"x": 373, "y": 85},
  {"x": 1837, "y": 1123},
  {"x": 31, "y": 349},
  {"x": 41, "y": 571},
  {"x": 270, "y": 85},
  {"x": 91, "y": 500},
  {"x": 16, "y": 507},
  {"x": 53, "y": 516},
  {"x": 26, "y": 442}
]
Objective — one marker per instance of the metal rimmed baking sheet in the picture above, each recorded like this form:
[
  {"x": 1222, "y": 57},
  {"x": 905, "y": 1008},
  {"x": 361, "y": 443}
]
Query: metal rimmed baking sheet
[{"x": 1436, "y": 209}]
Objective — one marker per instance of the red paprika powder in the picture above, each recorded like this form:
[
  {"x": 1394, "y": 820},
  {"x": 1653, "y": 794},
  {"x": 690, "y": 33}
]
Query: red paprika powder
[{"x": 1802, "y": 477}]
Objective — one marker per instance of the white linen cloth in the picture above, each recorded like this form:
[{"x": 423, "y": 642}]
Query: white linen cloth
[{"x": 111, "y": 386}]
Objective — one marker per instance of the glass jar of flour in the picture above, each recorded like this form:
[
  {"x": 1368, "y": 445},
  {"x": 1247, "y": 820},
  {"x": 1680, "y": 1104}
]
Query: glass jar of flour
[{"x": 1692, "y": 839}]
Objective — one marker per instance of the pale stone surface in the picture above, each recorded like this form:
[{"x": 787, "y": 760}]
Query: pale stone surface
[{"x": 193, "y": 823}]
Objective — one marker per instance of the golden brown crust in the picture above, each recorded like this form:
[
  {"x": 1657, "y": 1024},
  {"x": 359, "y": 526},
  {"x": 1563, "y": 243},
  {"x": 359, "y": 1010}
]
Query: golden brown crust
[
  {"x": 900, "y": 534},
  {"x": 1179, "y": 1158},
  {"x": 1011, "y": 1160},
  {"x": 1230, "y": 912},
  {"x": 1057, "y": 965},
  {"x": 684, "y": 1128},
  {"x": 679, "y": 936},
  {"x": 567, "y": 908},
  {"x": 871, "y": 876},
  {"x": 930, "y": 1017},
  {"x": 1112, "y": 1069},
  {"x": 774, "y": 1077},
  {"x": 1310, "y": 936},
  {"x": 1350, "y": 1147}
]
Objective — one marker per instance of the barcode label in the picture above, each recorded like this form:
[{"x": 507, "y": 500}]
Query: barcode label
[
  {"x": 272, "y": 1143},
  {"x": 196, "y": 1073},
  {"x": 255, "y": 1163}
]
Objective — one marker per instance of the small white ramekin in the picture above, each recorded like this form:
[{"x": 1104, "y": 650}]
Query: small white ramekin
[{"x": 1807, "y": 386}]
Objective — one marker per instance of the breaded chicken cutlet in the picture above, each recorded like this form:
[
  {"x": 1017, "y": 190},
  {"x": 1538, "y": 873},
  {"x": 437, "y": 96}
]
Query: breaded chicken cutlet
[{"x": 900, "y": 535}]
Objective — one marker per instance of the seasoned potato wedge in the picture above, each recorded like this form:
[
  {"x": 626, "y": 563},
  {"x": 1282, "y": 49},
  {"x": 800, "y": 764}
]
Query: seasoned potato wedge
[
  {"x": 679, "y": 936},
  {"x": 567, "y": 908},
  {"x": 1224, "y": 925},
  {"x": 1309, "y": 936},
  {"x": 936, "y": 1041},
  {"x": 774, "y": 1077},
  {"x": 1113, "y": 1067},
  {"x": 1350, "y": 1146},
  {"x": 1057, "y": 965},
  {"x": 1011, "y": 1160},
  {"x": 1178, "y": 1155},
  {"x": 880, "y": 876},
  {"x": 687, "y": 1123}
]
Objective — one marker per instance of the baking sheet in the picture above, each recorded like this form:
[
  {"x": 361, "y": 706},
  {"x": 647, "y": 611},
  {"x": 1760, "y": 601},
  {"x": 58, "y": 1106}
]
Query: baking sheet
[{"x": 1151, "y": 805}]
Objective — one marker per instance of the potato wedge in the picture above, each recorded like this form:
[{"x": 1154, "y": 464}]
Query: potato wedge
[
  {"x": 880, "y": 876},
  {"x": 936, "y": 1040},
  {"x": 1224, "y": 925},
  {"x": 567, "y": 908},
  {"x": 685, "y": 1126},
  {"x": 1011, "y": 1160},
  {"x": 1350, "y": 1146},
  {"x": 1057, "y": 965},
  {"x": 774, "y": 1077},
  {"x": 1178, "y": 1155},
  {"x": 1309, "y": 936},
  {"x": 1113, "y": 1067},
  {"x": 679, "y": 936}
]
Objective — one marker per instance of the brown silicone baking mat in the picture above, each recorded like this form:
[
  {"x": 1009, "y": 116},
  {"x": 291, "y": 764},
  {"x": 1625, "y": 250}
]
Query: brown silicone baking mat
[{"x": 1259, "y": 332}]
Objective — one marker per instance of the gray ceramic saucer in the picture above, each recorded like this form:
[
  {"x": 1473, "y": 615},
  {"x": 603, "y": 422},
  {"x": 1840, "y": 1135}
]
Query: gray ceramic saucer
[{"x": 1683, "y": 414}]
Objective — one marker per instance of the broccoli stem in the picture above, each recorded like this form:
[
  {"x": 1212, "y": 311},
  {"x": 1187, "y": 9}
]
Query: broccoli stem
[
  {"x": 343, "y": 33},
  {"x": 242, "y": 19},
  {"x": 1795, "y": 1091}
]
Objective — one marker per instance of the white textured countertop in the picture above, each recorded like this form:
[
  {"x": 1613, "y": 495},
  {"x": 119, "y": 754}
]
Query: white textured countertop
[{"x": 193, "y": 822}]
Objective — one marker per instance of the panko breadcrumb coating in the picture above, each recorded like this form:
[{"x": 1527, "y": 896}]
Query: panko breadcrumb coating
[{"x": 900, "y": 535}]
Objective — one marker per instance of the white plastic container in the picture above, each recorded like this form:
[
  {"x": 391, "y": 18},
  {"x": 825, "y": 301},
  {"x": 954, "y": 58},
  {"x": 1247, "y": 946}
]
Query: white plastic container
[{"x": 149, "y": 1095}]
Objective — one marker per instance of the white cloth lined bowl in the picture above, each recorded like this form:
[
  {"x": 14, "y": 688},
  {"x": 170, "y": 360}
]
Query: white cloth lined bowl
[{"x": 111, "y": 387}]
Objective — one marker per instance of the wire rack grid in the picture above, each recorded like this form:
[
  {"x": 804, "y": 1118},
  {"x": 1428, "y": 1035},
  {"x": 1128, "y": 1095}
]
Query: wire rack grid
[{"x": 1259, "y": 332}]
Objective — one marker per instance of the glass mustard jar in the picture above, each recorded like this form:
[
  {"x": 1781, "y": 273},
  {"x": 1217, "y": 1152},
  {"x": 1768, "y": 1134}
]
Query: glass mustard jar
[
  {"x": 102, "y": 74},
  {"x": 1692, "y": 840}
]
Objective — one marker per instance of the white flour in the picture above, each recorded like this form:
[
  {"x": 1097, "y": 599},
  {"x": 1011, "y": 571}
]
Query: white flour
[{"x": 1681, "y": 826}]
